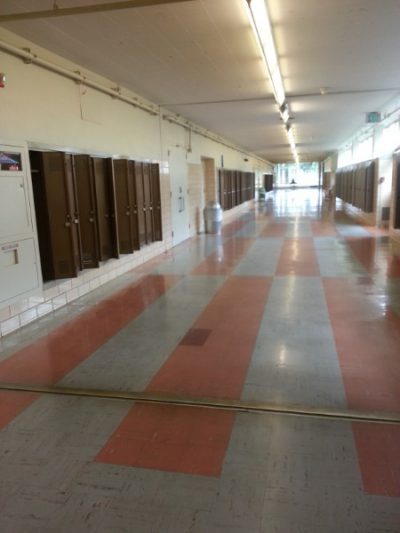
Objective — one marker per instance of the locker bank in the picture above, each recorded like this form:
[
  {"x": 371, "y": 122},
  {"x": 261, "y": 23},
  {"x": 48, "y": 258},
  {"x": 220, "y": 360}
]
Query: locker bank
[{"x": 156, "y": 377}]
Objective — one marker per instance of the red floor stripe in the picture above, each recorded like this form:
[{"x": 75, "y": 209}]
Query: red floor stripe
[
  {"x": 50, "y": 358},
  {"x": 216, "y": 368},
  {"x": 373, "y": 258},
  {"x": 321, "y": 228},
  {"x": 225, "y": 259},
  {"x": 173, "y": 439},
  {"x": 274, "y": 229},
  {"x": 368, "y": 346},
  {"x": 378, "y": 449},
  {"x": 228, "y": 230},
  {"x": 298, "y": 258},
  {"x": 12, "y": 404}
]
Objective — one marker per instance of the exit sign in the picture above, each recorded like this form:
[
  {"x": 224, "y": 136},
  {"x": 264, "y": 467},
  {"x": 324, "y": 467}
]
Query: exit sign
[{"x": 373, "y": 117}]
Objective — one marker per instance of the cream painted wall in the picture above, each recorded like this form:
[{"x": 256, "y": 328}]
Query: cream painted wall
[{"x": 48, "y": 110}]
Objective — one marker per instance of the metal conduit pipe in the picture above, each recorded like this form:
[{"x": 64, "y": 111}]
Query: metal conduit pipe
[
  {"x": 204, "y": 133},
  {"x": 29, "y": 57}
]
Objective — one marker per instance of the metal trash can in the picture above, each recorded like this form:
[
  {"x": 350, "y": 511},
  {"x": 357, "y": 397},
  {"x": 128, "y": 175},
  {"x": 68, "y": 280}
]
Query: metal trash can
[{"x": 213, "y": 215}]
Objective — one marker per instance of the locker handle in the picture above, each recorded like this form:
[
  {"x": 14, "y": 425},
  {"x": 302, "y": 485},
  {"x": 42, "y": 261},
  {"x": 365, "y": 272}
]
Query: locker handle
[
  {"x": 91, "y": 219},
  {"x": 67, "y": 221}
]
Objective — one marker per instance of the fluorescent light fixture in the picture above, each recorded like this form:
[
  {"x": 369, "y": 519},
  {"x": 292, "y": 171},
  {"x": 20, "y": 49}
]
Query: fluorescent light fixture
[
  {"x": 262, "y": 27},
  {"x": 261, "y": 24}
]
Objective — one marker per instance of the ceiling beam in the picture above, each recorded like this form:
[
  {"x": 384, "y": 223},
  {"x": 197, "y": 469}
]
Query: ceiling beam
[{"x": 84, "y": 10}]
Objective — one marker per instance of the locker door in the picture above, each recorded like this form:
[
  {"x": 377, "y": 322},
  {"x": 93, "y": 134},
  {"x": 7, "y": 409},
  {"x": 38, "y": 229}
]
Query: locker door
[
  {"x": 370, "y": 186},
  {"x": 222, "y": 191},
  {"x": 140, "y": 203},
  {"x": 73, "y": 208},
  {"x": 147, "y": 202},
  {"x": 123, "y": 207},
  {"x": 58, "y": 239},
  {"x": 133, "y": 204},
  {"x": 397, "y": 197},
  {"x": 156, "y": 201},
  {"x": 237, "y": 202},
  {"x": 105, "y": 210},
  {"x": 84, "y": 182}
]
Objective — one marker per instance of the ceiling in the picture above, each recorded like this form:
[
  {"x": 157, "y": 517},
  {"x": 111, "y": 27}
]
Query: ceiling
[{"x": 199, "y": 58}]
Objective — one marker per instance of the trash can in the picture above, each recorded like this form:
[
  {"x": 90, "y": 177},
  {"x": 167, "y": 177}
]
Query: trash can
[
  {"x": 261, "y": 194},
  {"x": 213, "y": 215}
]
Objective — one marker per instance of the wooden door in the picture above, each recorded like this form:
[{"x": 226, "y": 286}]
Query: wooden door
[
  {"x": 84, "y": 184},
  {"x": 156, "y": 202},
  {"x": 148, "y": 202},
  {"x": 105, "y": 208},
  {"x": 57, "y": 214},
  {"x": 141, "y": 210},
  {"x": 123, "y": 207}
]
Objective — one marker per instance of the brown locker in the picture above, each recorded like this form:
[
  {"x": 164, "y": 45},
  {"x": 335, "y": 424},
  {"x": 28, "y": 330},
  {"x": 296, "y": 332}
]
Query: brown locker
[
  {"x": 134, "y": 205},
  {"x": 57, "y": 214},
  {"x": 156, "y": 202},
  {"x": 369, "y": 187},
  {"x": 147, "y": 201},
  {"x": 141, "y": 210},
  {"x": 122, "y": 187},
  {"x": 84, "y": 183},
  {"x": 396, "y": 181},
  {"x": 221, "y": 191},
  {"x": 236, "y": 181},
  {"x": 105, "y": 208}
]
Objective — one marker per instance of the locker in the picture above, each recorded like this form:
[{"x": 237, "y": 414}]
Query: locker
[
  {"x": 105, "y": 208},
  {"x": 148, "y": 202},
  {"x": 369, "y": 187},
  {"x": 57, "y": 214},
  {"x": 124, "y": 205},
  {"x": 396, "y": 165},
  {"x": 140, "y": 202},
  {"x": 156, "y": 202},
  {"x": 84, "y": 182}
]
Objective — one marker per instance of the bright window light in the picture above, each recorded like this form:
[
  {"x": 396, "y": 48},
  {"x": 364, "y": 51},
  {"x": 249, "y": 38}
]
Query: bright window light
[
  {"x": 389, "y": 140},
  {"x": 363, "y": 150}
]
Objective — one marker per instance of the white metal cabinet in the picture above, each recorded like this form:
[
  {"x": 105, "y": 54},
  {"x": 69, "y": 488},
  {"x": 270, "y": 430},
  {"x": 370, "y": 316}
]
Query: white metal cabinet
[{"x": 20, "y": 273}]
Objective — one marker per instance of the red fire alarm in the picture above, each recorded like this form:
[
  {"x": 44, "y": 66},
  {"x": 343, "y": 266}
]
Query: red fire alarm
[{"x": 2, "y": 79}]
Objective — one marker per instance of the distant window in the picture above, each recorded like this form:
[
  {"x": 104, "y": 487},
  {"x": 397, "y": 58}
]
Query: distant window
[
  {"x": 390, "y": 139},
  {"x": 345, "y": 158},
  {"x": 363, "y": 150}
]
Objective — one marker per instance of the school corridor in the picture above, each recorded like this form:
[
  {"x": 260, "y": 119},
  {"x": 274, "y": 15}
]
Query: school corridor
[{"x": 243, "y": 382}]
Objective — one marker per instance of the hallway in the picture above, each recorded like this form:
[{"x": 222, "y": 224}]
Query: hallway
[{"x": 267, "y": 360}]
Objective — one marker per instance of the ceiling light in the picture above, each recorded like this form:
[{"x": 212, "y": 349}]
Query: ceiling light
[
  {"x": 261, "y": 24},
  {"x": 262, "y": 27}
]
